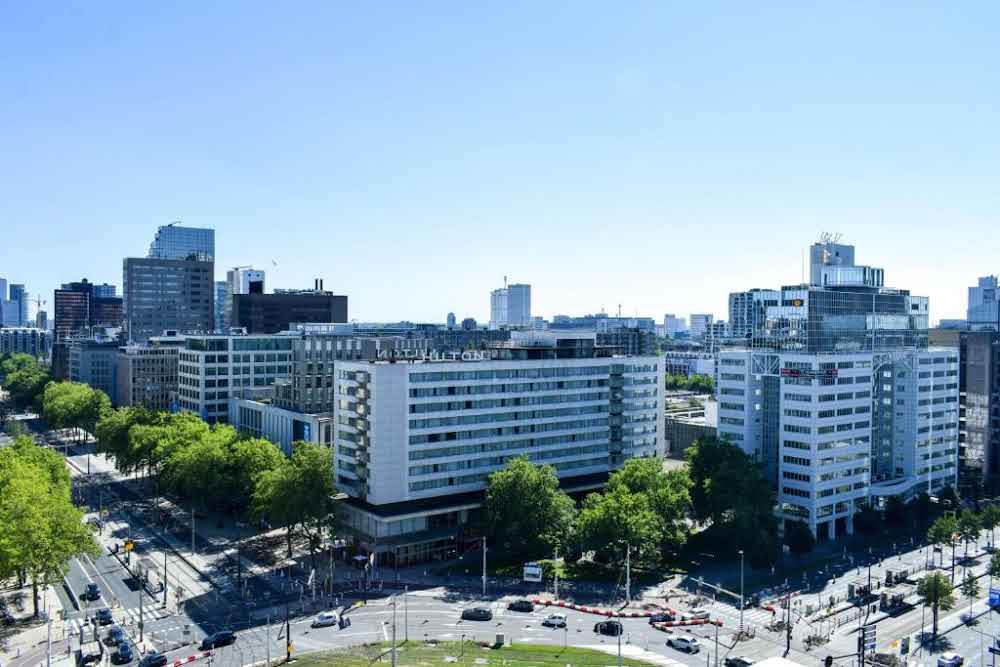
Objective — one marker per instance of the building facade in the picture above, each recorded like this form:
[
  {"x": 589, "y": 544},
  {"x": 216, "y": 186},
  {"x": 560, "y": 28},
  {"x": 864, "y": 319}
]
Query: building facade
[
  {"x": 77, "y": 311},
  {"x": 176, "y": 242},
  {"x": 95, "y": 363},
  {"x": 221, "y": 324},
  {"x": 840, "y": 398},
  {"x": 673, "y": 325},
  {"x": 105, "y": 291},
  {"x": 240, "y": 280},
  {"x": 511, "y": 306},
  {"x": 984, "y": 305},
  {"x": 26, "y": 340},
  {"x": 700, "y": 324},
  {"x": 147, "y": 373},
  {"x": 416, "y": 441},
  {"x": 271, "y": 313},
  {"x": 214, "y": 368},
  {"x": 167, "y": 294}
]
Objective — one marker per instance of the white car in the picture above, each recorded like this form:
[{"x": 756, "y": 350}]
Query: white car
[
  {"x": 695, "y": 615},
  {"x": 950, "y": 660},
  {"x": 685, "y": 643},
  {"x": 555, "y": 621},
  {"x": 325, "y": 619}
]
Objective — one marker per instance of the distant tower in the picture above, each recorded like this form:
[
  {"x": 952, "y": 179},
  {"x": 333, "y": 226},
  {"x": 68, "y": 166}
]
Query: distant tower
[{"x": 451, "y": 320}]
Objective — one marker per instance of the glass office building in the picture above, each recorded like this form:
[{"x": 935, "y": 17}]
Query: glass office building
[{"x": 175, "y": 242}]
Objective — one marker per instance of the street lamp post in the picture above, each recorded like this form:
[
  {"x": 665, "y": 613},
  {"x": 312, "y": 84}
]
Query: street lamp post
[{"x": 741, "y": 592}]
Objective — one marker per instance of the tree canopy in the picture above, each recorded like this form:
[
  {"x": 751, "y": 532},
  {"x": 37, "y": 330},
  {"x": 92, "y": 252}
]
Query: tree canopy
[{"x": 525, "y": 512}]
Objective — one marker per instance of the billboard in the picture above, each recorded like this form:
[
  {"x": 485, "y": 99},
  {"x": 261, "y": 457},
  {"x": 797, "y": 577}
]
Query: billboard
[{"x": 532, "y": 572}]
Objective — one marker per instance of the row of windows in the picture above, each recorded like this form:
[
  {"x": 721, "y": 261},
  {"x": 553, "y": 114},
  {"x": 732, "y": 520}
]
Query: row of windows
[
  {"x": 497, "y": 461},
  {"x": 435, "y": 422},
  {"x": 515, "y": 388},
  {"x": 419, "y": 408},
  {"x": 576, "y": 424},
  {"x": 509, "y": 445},
  {"x": 427, "y": 485}
]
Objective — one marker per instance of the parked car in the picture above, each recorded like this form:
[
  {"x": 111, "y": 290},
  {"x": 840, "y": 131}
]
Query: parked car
[
  {"x": 738, "y": 661},
  {"x": 103, "y": 616},
  {"x": 325, "y": 619},
  {"x": 477, "y": 614},
  {"x": 153, "y": 659},
  {"x": 115, "y": 635},
  {"x": 555, "y": 621},
  {"x": 222, "y": 638},
  {"x": 695, "y": 615},
  {"x": 685, "y": 643},
  {"x": 91, "y": 592},
  {"x": 661, "y": 617},
  {"x": 521, "y": 605},
  {"x": 950, "y": 660},
  {"x": 123, "y": 655},
  {"x": 610, "y": 628}
]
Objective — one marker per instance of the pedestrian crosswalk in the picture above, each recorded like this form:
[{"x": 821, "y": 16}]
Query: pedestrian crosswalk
[{"x": 123, "y": 617}]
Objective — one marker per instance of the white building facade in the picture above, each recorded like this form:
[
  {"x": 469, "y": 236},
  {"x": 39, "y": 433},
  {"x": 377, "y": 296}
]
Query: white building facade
[
  {"x": 511, "y": 306},
  {"x": 416, "y": 442}
]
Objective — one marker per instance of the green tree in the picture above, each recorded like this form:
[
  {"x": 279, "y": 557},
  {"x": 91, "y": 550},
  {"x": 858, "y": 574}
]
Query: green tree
[
  {"x": 970, "y": 590},
  {"x": 895, "y": 512},
  {"x": 526, "y": 515},
  {"x": 193, "y": 472},
  {"x": 24, "y": 377},
  {"x": 943, "y": 533},
  {"x": 40, "y": 529},
  {"x": 990, "y": 517},
  {"x": 993, "y": 569},
  {"x": 937, "y": 593},
  {"x": 112, "y": 432},
  {"x": 969, "y": 527},
  {"x": 298, "y": 495},
  {"x": 949, "y": 498},
  {"x": 610, "y": 522},
  {"x": 667, "y": 492},
  {"x": 74, "y": 405},
  {"x": 799, "y": 538},
  {"x": 248, "y": 459}
]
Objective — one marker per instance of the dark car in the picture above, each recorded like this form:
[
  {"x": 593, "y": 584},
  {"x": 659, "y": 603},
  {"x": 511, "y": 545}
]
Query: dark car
[
  {"x": 115, "y": 635},
  {"x": 103, "y": 616},
  {"x": 738, "y": 661},
  {"x": 521, "y": 605},
  {"x": 477, "y": 614},
  {"x": 661, "y": 617},
  {"x": 153, "y": 659},
  {"x": 92, "y": 592},
  {"x": 123, "y": 655},
  {"x": 222, "y": 638},
  {"x": 610, "y": 628}
]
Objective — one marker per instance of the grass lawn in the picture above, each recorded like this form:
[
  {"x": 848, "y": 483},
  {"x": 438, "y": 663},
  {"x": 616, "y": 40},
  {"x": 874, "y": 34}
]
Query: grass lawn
[{"x": 418, "y": 654}]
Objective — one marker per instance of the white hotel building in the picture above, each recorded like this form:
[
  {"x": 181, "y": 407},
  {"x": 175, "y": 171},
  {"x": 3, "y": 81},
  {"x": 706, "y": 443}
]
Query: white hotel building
[
  {"x": 839, "y": 396},
  {"x": 417, "y": 439}
]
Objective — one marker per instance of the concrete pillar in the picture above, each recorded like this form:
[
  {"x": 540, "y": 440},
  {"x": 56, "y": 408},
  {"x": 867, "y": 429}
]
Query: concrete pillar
[{"x": 832, "y": 534}]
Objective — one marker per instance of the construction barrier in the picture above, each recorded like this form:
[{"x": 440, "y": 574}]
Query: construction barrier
[
  {"x": 665, "y": 627},
  {"x": 192, "y": 658},
  {"x": 598, "y": 611}
]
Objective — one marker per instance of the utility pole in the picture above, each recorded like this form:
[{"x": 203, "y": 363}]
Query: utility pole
[
  {"x": 741, "y": 595},
  {"x": 393, "y": 653},
  {"x": 620, "y": 647},
  {"x": 192, "y": 529},
  {"x": 628, "y": 578},
  {"x": 141, "y": 591},
  {"x": 288, "y": 635},
  {"x": 268, "y": 641},
  {"x": 716, "y": 645},
  {"x": 164, "y": 579},
  {"x": 484, "y": 566},
  {"x": 555, "y": 568},
  {"x": 48, "y": 644},
  {"x": 406, "y": 614}
]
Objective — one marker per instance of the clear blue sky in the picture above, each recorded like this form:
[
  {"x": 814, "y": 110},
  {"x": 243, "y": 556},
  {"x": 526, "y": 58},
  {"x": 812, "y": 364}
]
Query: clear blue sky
[{"x": 657, "y": 155}]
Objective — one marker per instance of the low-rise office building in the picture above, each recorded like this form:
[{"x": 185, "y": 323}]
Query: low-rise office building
[
  {"x": 214, "y": 368},
  {"x": 26, "y": 340},
  {"x": 147, "y": 374},
  {"x": 95, "y": 362}
]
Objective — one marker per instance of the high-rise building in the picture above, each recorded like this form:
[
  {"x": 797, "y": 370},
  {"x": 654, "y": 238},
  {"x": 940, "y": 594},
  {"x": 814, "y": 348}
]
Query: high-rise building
[
  {"x": 700, "y": 324},
  {"x": 416, "y": 441},
  {"x": 745, "y": 308},
  {"x": 673, "y": 325},
  {"x": 167, "y": 294},
  {"x": 221, "y": 289},
  {"x": 42, "y": 320},
  {"x": 19, "y": 297},
  {"x": 451, "y": 320},
  {"x": 511, "y": 306},
  {"x": 838, "y": 395},
  {"x": 241, "y": 280},
  {"x": 270, "y": 313},
  {"x": 984, "y": 305},
  {"x": 77, "y": 311},
  {"x": 104, "y": 291},
  {"x": 176, "y": 242},
  {"x": 95, "y": 362}
]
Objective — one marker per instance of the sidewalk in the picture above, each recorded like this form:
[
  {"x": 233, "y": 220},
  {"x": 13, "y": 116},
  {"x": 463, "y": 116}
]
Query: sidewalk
[{"x": 23, "y": 643}]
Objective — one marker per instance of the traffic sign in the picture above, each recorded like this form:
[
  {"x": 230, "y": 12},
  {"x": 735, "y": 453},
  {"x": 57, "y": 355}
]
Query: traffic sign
[{"x": 994, "y": 650}]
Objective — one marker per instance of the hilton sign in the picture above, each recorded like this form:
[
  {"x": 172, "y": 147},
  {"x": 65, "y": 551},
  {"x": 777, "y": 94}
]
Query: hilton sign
[{"x": 433, "y": 355}]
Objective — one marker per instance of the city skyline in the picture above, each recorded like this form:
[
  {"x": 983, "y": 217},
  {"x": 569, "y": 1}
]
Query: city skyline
[{"x": 664, "y": 158}]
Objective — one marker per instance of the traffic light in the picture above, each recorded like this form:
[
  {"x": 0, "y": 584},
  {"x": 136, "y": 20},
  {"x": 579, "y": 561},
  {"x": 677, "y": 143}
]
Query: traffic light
[{"x": 828, "y": 661}]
